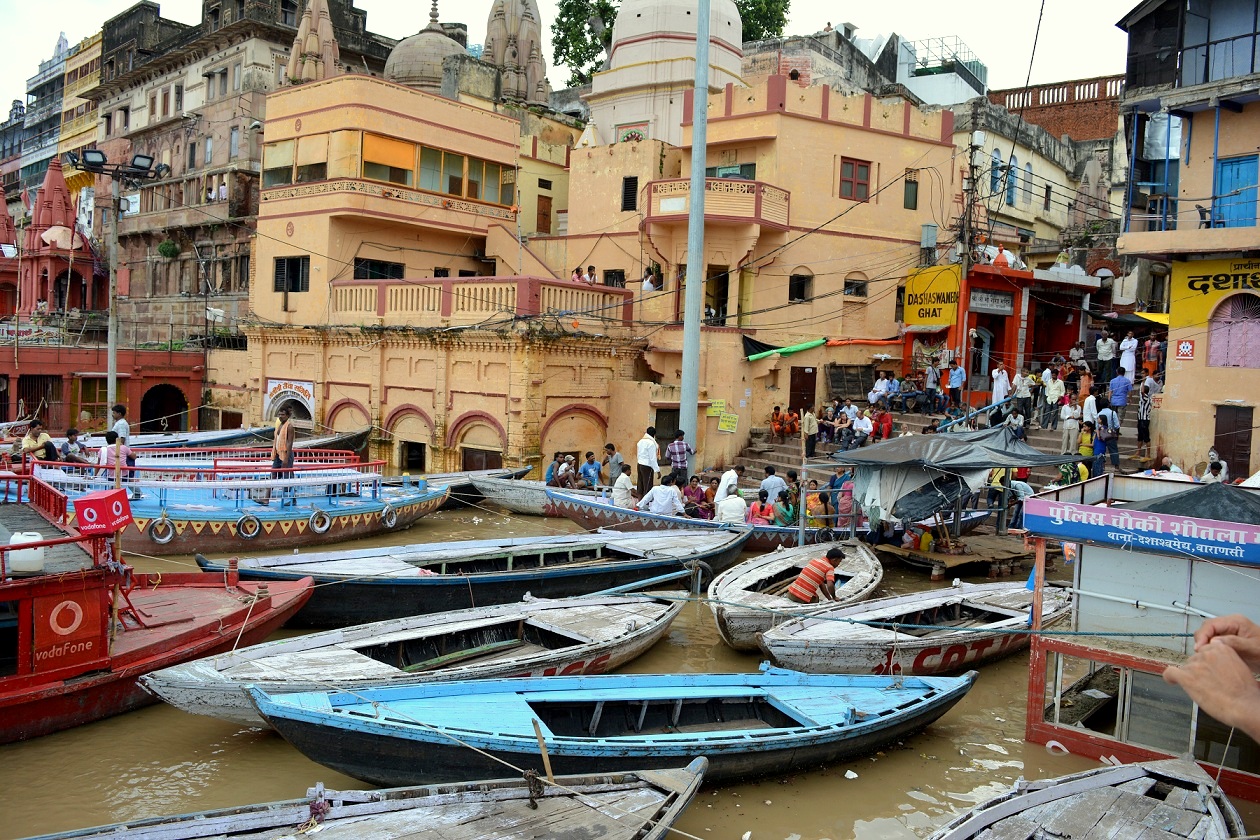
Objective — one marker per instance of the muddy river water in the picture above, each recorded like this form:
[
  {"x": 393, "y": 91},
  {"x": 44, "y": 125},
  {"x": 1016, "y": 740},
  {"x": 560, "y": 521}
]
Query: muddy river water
[{"x": 162, "y": 761}]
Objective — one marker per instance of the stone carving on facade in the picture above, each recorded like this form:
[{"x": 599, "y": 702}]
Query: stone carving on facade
[{"x": 514, "y": 46}]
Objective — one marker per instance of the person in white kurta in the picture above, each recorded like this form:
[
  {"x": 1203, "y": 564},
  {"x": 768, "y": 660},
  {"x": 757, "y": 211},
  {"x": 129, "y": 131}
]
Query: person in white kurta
[
  {"x": 1001, "y": 383},
  {"x": 1128, "y": 355}
]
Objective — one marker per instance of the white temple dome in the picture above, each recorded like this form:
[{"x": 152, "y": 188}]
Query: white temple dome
[{"x": 417, "y": 61}]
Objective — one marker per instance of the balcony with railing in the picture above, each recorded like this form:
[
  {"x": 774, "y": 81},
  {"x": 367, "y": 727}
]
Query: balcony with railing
[
  {"x": 440, "y": 302},
  {"x": 726, "y": 201},
  {"x": 1172, "y": 228},
  {"x": 78, "y": 124},
  {"x": 80, "y": 85}
]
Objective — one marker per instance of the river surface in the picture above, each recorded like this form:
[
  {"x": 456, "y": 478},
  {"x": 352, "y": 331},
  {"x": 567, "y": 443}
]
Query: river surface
[{"x": 162, "y": 761}]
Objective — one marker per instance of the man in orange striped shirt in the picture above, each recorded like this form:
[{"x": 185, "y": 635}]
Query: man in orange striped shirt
[{"x": 817, "y": 579}]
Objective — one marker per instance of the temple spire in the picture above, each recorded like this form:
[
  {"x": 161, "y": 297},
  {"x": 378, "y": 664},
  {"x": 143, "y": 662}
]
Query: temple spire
[
  {"x": 8, "y": 232},
  {"x": 315, "y": 54},
  {"x": 53, "y": 207}
]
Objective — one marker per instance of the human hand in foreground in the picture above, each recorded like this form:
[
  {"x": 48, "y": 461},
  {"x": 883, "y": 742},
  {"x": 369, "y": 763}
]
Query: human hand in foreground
[
  {"x": 1222, "y": 684},
  {"x": 1237, "y": 631}
]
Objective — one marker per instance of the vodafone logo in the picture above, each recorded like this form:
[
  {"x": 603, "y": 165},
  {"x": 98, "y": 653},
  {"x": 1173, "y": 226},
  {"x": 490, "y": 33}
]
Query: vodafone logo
[
  {"x": 117, "y": 508},
  {"x": 89, "y": 515},
  {"x": 76, "y": 618}
]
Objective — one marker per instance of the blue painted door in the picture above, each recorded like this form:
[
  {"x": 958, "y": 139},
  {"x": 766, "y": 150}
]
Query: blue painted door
[{"x": 1236, "y": 191}]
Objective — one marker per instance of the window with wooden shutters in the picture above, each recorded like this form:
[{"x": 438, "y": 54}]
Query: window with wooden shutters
[
  {"x": 855, "y": 179},
  {"x": 293, "y": 274},
  {"x": 277, "y": 163},
  {"x": 386, "y": 159},
  {"x": 630, "y": 193},
  {"x": 365, "y": 269}
]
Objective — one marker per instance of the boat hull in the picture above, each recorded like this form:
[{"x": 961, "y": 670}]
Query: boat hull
[
  {"x": 642, "y": 805},
  {"x": 881, "y": 650},
  {"x": 594, "y": 514},
  {"x": 522, "y": 496},
  {"x": 377, "y": 752},
  {"x": 202, "y": 688},
  {"x": 351, "y": 602},
  {"x": 218, "y": 532},
  {"x": 741, "y": 615},
  {"x": 42, "y": 709}
]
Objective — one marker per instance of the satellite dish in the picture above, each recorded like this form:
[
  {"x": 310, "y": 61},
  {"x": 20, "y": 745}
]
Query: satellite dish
[{"x": 60, "y": 236}]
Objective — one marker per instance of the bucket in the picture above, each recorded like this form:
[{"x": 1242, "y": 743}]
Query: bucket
[{"x": 25, "y": 561}]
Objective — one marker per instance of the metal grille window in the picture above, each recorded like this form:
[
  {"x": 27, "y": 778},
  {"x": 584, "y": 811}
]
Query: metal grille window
[
  {"x": 630, "y": 193},
  {"x": 377, "y": 270},
  {"x": 855, "y": 179},
  {"x": 293, "y": 274}
]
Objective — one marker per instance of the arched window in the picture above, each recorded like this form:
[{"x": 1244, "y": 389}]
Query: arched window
[
  {"x": 1028, "y": 183},
  {"x": 1012, "y": 180},
  {"x": 1234, "y": 332},
  {"x": 995, "y": 173}
]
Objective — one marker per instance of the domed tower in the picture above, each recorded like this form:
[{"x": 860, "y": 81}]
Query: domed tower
[
  {"x": 653, "y": 62},
  {"x": 417, "y": 61},
  {"x": 514, "y": 45}
]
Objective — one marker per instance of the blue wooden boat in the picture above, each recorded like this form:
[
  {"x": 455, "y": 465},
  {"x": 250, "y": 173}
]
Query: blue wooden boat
[
  {"x": 358, "y": 585},
  {"x": 747, "y": 725}
]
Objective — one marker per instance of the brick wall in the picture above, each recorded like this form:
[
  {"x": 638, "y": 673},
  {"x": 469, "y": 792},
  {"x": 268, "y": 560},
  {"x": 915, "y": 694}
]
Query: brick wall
[{"x": 1084, "y": 109}]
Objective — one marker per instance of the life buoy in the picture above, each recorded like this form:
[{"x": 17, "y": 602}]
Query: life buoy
[
  {"x": 161, "y": 531},
  {"x": 319, "y": 522},
  {"x": 248, "y": 527},
  {"x": 389, "y": 516}
]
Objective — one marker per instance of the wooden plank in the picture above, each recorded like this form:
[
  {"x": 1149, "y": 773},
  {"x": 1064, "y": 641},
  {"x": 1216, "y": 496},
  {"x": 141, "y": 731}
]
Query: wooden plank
[
  {"x": 462, "y": 655},
  {"x": 1079, "y": 814}
]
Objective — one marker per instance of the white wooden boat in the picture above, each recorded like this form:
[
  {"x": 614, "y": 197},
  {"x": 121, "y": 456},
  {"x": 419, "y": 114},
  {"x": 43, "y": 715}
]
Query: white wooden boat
[
  {"x": 534, "y": 637},
  {"x": 941, "y": 631},
  {"x": 752, "y": 597},
  {"x": 639, "y": 805},
  {"x": 1152, "y": 799},
  {"x": 524, "y": 496}
]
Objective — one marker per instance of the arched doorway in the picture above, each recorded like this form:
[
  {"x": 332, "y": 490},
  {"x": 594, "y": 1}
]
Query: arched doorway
[
  {"x": 69, "y": 292},
  {"x": 301, "y": 415},
  {"x": 163, "y": 408},
  {"x": 480, "y": 442}
]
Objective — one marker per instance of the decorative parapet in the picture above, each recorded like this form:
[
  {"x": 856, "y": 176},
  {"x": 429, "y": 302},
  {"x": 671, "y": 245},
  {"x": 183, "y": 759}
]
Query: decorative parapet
[
  {"x": 391, "y": 191},
  {"x": 725, "y": 200}
]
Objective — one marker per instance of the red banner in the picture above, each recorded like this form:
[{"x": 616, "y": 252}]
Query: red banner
[{"x": 69, "y": 630}]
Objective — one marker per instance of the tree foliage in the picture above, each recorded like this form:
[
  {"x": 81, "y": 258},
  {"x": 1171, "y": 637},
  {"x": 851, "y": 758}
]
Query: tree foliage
[
  {"x": 763, "y": 18},
  {"x": 577, "y": 46},
  {"x": 574, "y": 43}
]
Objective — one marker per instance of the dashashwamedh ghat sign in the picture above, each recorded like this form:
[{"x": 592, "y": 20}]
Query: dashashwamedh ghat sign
[
  {"x": 931, "y": 296},
  {"x": 1209, "y": 539}
]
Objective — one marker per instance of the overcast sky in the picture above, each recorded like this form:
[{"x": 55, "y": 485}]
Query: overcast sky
[{"x": 1078, "y": 38}]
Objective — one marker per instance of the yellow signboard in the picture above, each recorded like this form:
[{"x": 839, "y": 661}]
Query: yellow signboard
[
  {"x": 728, "y": 423},
  {"x": 716, "y": 408},
  {"x": 1198, "y": 288},
  {"x": 931, "y": 298}
]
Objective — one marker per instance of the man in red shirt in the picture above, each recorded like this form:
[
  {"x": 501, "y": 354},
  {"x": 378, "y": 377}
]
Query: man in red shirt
[{"x": 817, "y": 579}]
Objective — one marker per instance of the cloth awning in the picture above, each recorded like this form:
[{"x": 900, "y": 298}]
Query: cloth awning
[{"x": 1157, "y": 317}]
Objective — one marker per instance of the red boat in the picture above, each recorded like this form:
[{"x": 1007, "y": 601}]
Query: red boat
[{"x": 73, "y": 644}]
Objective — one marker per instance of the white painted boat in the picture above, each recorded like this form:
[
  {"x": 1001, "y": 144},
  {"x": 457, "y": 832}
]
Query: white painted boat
[
  {"x": 618, "y": 806},
  {"x": 941, "y": 631},
  {"x": 752, "y": 597},
  {"x": 530, "y": 638},
  {"x": 524, "y": 496},
  {"x": 1164, "y": 799}
]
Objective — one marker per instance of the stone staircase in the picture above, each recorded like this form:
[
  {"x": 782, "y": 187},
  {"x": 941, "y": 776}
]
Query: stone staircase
[{"x": 784, "y": 456}]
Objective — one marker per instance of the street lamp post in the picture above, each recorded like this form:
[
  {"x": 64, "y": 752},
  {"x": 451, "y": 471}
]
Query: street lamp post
[{"x": 139, "y": 168}]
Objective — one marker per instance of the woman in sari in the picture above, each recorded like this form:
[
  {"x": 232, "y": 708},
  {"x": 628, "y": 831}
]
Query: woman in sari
[
  {"x": 785, "y": 513},
  {"x": 815, "y": 506},
  {"x": 695, "y": 504}
]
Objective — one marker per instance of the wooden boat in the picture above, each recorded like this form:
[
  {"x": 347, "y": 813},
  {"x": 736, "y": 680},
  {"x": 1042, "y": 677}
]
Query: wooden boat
[
  {"x": 524, "y": 496},
  {"x": 233, "y": 505},
  {"x": 618, "y": 806},
  {"x": 258, "y": 436},
  {"x": 747, "y": 725},
  {"x": 355, "y": 441},
  {"x": 63, "y": 668},
  {"x": 592, "y": 513},
  {"x": 535, "y": 637},
  {"x": 1166, "y": 799},
  {"x": 948, "y": 630},
  {"x": 752, "y": 596},
  {"x": 463, "y": 490},
  {"x": 374, "y": 584}
]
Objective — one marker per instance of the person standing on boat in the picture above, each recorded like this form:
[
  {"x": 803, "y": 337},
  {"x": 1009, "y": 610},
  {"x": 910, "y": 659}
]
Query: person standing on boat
[
  {"x": 817, "y": 580},
  {"x": 121, "y": 427},
  {"x": 1220, "y": 676},
  {"x": 678, "y": 451},
  {"x": 612, "y": 460},
  {"x": 648, "y": 458},
  {"x": 729, "y": 483},
  {"x": 663, "y": 498},
  {"x": 282, "y": 453}
]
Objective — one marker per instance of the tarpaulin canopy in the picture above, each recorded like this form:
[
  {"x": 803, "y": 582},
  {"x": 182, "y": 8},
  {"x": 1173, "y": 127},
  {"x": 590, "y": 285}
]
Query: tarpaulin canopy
[
  {"x": 953, "y": 452},
  {"x": 1157, "y": 317},
  {"x": 1223, "y": 502},
  {"x": 752, "y": 346},
  {"x": 940, "y": 493}
]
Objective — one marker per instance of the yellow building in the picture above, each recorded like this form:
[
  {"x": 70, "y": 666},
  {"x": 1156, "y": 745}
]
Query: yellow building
[
  {"x": 1197, "y": 224},
  {"x": 78, "y": 115}
]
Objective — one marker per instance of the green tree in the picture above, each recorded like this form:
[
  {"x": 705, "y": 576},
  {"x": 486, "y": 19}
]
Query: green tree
[
  {"x": 580, "y": 35},
  {"x": 762, "y": 18},
  {"x": 582, "y": 31}
]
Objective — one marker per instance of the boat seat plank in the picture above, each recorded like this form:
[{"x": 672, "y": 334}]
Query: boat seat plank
[
  {"x": 323, "y": 664},
  {"x": 1172, "y": 819},
  {"x": 1076, "y": 815},
  {"x": 640, "y": 693},
  {"x": 459, "y": 656},
  {"x": 522, "y": 650},
  {"x": 740, "y": 725},
  {"x": 1017, "y": 827}
]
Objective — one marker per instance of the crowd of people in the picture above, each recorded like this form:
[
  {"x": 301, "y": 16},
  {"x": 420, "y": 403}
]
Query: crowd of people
[{"x": 37, "y": 445}]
